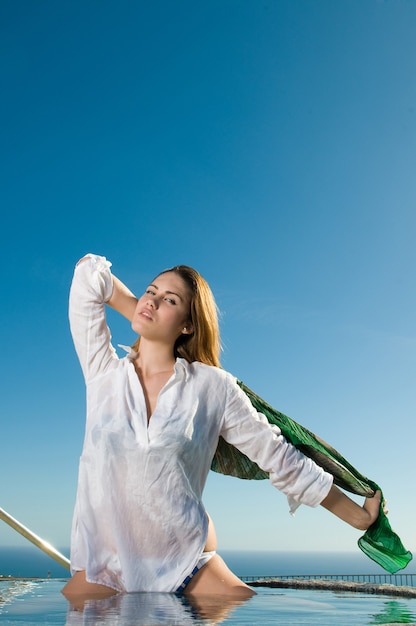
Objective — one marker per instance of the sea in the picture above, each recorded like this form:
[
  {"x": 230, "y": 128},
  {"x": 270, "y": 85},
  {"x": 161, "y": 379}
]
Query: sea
[
  {"x": 36, "y": 600},
  {"x": 29, "y": 561}
]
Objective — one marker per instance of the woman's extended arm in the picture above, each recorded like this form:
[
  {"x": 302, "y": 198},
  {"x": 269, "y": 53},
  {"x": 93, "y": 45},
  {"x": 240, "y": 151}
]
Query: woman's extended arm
[
  {"x": 342, "y": 506},
  {"x": 122, "y": 299}
]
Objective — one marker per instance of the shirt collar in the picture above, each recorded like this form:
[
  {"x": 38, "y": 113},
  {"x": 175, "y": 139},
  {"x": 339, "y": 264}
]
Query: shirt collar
[{"x": 181, "y": 366}]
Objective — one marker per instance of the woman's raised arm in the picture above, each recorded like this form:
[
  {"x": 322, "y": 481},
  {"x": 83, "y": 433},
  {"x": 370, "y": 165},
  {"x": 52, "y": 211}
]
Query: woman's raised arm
[{"x": 122, "y": 299}]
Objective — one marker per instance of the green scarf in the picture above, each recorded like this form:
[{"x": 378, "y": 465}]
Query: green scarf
[{"x": 379, "y": 542}]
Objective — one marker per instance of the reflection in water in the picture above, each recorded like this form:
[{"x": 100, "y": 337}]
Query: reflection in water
[
  {"x": 394, "y": 612},
  {"x": 155, "y": 608}
]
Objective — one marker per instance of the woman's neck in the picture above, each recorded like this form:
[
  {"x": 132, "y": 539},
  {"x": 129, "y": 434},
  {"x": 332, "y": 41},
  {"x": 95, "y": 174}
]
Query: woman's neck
[{"x": 154, "y": 358}]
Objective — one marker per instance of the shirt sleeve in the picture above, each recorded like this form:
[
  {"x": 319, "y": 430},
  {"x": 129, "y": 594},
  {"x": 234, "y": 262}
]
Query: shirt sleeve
[
  {"x": 290, "y": 471},
  {"x": 92, "y": 286}
]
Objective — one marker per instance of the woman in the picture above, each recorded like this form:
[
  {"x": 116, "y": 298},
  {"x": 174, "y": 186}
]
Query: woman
[{"x": 153, "y": 423}]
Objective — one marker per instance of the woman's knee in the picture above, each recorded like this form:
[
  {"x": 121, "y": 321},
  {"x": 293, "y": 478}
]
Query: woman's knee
[{"x": 79, "y": 587}]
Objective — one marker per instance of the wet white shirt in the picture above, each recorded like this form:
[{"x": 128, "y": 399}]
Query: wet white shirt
[{"x": 139, "y": 522}]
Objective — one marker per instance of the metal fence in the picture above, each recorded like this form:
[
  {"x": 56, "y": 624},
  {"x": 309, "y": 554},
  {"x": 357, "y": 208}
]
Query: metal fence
[{"x": 400, "y": 580}]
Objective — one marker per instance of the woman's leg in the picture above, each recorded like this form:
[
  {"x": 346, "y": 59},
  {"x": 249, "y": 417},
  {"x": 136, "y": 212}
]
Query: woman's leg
[
  {"x": 215, "y": 578},
  {"x": 78, "y": 588}
]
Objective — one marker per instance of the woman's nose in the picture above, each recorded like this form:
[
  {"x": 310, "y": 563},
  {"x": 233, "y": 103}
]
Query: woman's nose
[{"x": 151, "y": 301}]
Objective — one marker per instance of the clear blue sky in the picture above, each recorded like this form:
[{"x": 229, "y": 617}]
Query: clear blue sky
[{"x": 272, "y": 145}]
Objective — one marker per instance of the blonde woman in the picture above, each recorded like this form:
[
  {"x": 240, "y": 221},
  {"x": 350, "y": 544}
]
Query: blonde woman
[{"x": 153, "y": 422}]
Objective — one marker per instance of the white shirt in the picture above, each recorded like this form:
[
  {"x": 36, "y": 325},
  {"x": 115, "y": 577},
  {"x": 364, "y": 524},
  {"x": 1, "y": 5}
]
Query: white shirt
[{"x": 139, "y": 522}]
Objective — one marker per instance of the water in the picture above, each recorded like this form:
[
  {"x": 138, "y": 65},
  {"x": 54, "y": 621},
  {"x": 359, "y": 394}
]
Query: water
[
  {"x": 39, "y": 602},
  {"x": 303, "y": 563},
  {"x": 31, "y": 562}
]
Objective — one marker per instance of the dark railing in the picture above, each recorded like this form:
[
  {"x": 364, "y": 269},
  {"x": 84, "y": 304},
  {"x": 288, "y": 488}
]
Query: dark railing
[{"x": 400, "y": 580}]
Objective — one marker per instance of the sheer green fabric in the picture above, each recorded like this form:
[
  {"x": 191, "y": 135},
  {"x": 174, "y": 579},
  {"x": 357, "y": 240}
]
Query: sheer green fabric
[{"x": 379, "y": 542}]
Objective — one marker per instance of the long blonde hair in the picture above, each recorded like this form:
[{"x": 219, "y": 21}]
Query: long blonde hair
[{"x": 203, "y": 344}]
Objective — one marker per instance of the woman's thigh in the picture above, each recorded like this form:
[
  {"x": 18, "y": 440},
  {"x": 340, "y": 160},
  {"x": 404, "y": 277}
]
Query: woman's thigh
[{"x": 216, "y": 578}]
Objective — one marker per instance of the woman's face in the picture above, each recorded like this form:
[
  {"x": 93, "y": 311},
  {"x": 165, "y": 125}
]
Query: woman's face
[{"x": 162, "y": 313}]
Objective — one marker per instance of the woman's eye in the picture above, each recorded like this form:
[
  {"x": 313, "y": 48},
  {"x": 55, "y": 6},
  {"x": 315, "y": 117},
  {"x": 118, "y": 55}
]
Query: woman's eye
[
  {"x": 170, "y": 300},
  {"x": 150, "y": 291}
]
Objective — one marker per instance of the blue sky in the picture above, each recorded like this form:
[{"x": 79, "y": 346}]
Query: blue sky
[{"x": 269, "y": 144}]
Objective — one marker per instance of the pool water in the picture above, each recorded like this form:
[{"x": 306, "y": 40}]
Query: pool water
[{"x": 40, "y": 602}]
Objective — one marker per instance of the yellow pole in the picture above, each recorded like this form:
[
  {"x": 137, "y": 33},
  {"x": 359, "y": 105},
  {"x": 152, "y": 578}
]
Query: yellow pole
[{"x": 40, "y": 543}]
